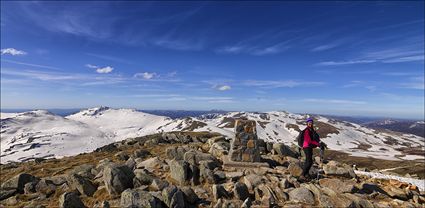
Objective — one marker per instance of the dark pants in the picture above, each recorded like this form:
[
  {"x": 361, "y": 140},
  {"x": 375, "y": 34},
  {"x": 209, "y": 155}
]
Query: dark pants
[{"x": 308, "y": 160}]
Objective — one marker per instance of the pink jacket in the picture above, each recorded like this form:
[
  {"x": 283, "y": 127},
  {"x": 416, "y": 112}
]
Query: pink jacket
[{"x": 309, "y": 142}]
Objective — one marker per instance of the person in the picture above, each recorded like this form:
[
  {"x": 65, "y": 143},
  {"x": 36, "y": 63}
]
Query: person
[{"x": 311, "y": 141}]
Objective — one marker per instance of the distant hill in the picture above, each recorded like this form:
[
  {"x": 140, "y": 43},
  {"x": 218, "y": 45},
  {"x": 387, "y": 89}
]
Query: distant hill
[
  {"x": 36, "y": 134},
  {"x": 403, "y": 126}
]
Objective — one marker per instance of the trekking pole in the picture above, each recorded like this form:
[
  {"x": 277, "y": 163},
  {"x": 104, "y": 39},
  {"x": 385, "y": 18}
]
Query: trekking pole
[{"x": 322, "y": 155}]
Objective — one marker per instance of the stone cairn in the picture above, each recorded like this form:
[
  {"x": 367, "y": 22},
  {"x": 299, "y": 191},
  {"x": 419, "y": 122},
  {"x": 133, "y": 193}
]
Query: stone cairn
[{"x": 244, "y": 146}]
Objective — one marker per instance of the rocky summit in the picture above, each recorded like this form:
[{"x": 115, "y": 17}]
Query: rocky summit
[{"x": 193, "y": 169}]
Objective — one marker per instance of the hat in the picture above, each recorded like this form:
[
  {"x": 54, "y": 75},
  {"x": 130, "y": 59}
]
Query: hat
[{"x": 309, "y": 120}]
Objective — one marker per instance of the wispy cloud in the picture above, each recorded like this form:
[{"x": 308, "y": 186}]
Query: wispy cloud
[
  {"x": 145, "y": 75},
  {"x": 213, "y": 99},
  {"x": 62, "y": 77},
  {"x": 180, "y": 45},
  {"x": 414, "y": 83},
  {"x": 12, "y": 51},
  {"x": 339, "y": 63},
  {"x": 280, "y": 83},
  {"x": 91, "y": 66},
  {"x": 382, "y": 56},
  {"x": 257, "y": 50},
  {"x": 324, "y": 47},
  {"x": 335, "y": 101},
  {"x": 30, "y": 64},
  {"x": 109, "y": 58},
  {"x": 398, "y": 74}
]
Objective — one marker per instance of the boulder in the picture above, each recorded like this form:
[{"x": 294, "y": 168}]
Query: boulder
[
  {"x": 284, "y": 184},
  {"x": 295, "y": 169},
  {"x": 180, "y": 171},
  {"x": 219, "y": 149},
  {"x": 85, "y": 170},
  {"x": 117, "y": 178},
  {"x": 302, "y": 194},
  {"x": 103, "y": 204},
  {"x": 131, "y": 163},
  {"x": 6, "y": 193},
  {"x": 138, "y": 198},
  {"x": 247, "y": 203},
  {"x": 150, "y": 164},
  {"x": 195, "y": 175},
  {"x": 141, "y": 179},
  {"x": 158, "y": 184},
  {"x": 359, "y": 201},
  {"x": 219, "y": 192},
  {"x": 194, "y": 157},
  {"x": 252, "y": 180},
  {"x": 123, "y": 156},
  {"x": 337, "y": 185},
  {"x": 240, "y": 191},
  {"x": 207, "y": 175},
  {"x": 234, "y": 176},
  {"x": 84, "y": 186},
  {"x": 30, "y": 187},
  {"x": 18, "y": 182},
  {"x": 220, "y": 176},
  {"x": 189, "y": 195},
  {"x": 210, "y": 164},
  {"x": 334, "y": 168},
  {"x": 176, "y": 153},
  {"x": 284, "y": 150},
  {"x": 173, "y": 197},
  {"x": 70, "y": 200},
  {"x": 46, "y": 187},
  {"x": 336, "y": 199},
  {"x": 265, "y": 195},
  {"x": 141, "y": 153},
  {"x": 395, "y": 192}
]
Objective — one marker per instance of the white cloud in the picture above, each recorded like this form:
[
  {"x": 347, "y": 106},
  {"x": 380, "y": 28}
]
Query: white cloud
[
  {"x": 91, "y": 66},
  {"x": 100, "y": 70},
  {"x": 224, "y": 88},
  {"x": 145, "y": 75},
  {"x": 104, "y": 70},
  {"x": 12, "y": 52}
]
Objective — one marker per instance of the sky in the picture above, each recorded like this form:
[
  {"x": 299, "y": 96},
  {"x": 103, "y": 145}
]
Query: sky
[{"x": 340, "y": 58}]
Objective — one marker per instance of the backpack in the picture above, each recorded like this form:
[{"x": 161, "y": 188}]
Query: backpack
[{"x": 300, "y": 138}]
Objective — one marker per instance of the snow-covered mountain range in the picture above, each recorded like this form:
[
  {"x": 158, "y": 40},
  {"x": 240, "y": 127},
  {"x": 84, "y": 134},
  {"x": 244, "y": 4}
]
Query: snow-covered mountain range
[{"x": 40, "y": 134}]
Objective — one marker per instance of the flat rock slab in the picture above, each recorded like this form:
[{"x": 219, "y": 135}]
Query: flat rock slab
[{"x": 227, "y": 163}]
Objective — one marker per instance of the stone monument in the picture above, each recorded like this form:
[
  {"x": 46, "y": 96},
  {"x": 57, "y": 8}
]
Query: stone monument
[{"x": 245, "y": 145}]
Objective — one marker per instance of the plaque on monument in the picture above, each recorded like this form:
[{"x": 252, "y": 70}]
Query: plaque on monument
[{"x": 244, "y": 146}]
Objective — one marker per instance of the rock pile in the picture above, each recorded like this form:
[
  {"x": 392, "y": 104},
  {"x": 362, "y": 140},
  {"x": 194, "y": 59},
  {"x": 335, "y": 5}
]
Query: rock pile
[
  {"x": 168, "y": 171},
  {"x": 244, "y": 147}
]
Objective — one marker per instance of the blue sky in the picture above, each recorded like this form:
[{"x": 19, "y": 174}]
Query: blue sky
[{"x": 343, "y": 58}]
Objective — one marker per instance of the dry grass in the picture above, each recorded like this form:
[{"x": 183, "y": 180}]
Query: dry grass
[
  {"x": 293, "y": 126},
  {"x": 403, "y": 167},
  {"x": 325, "y": 129}
]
